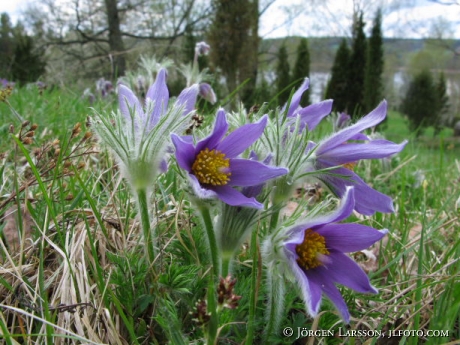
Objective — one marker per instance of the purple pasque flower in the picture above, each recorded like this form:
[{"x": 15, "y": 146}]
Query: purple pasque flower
[
  {"x": 336, "y": 151},
  {"x": 343, "y": 119},
  {"x": 202, "y": 48},
  {"x": 214, "y": 167},
  {"x": 314, "y": 252},
  {"x": 207, "y": 93},
  {"x": 310, "y": 116},
  {"x": 156, "y": 103},
  {"x": 139, "y": 136}
]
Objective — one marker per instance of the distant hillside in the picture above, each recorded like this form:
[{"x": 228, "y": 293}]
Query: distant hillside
[{"x": 323, "y": 49}]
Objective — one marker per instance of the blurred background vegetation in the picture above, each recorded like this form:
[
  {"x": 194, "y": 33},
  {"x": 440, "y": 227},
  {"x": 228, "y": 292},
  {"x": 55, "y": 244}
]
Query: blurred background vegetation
[{"x": 74, "y": 44}]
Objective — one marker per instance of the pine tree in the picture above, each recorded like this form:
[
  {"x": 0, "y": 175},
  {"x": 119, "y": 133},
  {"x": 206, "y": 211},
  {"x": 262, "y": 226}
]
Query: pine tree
[
  {"x": 6, "y": 46},
  {"x": 337, "y": 85},
  {"x": 442, "y": 103},
  {"x": 420, "y": 103},
  {"x": 357, "y": 68},
  {"x": 283, "y": 79},
  {"x": 302, "y": 69},
  {"x": 27, "y": 65},
  {"x": 373, "y": 84}
]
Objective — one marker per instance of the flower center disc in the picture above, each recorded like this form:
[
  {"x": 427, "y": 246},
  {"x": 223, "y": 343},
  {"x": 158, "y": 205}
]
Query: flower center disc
[
  {"x": 311, "y": 249},
  {"x": 350, "y": 166},
  {"x": 211, "y": 167}
]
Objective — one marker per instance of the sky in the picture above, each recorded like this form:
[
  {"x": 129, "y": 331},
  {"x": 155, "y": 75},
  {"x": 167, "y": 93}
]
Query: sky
[{"x": 310, "y": 18}]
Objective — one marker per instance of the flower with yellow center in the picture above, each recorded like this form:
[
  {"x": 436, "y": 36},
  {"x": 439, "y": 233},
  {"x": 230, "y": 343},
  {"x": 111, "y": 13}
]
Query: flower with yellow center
[
  {"x": 211, "y": 167},
  {"x": 215, "y": 168},
  {"x": 338, "y": 152},
  {"x": 311, "y": 250},
  {"x": 314, "y": 254}
]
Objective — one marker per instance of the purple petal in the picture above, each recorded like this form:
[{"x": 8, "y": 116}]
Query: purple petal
[
  {"x": 312, "y": 115},
  {"x": 157, "y": 94},
  {"x": 343, "y": 211},
  {"x": 245, "y": 172},
  {"x": 311, "y": 291},
  {"x": 322, "y": 277},
  {"x": 207, "y": 93},
  {"x": 187, "y": 99},
  {"x": 235, "y": 198},
  {"x": 350, "y": 237},
  {"x": 373, "y": 118},
  {"x": 360, "y": 136},
  {"x": 367, "y": 200},
  {"x": 164, "y": 165},
  {"x": 200, "y": 192},
  {"x": 127, "y": 101},
  {"x": 347, "y": 153},
  {"x": 345, "y": 271},
  {"x": 241, "y": 138},
  {"x": 185, "y": 152},
  {"x": 296, "y": 97},
  {"x": 220, "y": 128}
]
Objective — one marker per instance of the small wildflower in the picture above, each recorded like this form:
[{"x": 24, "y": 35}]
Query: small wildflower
[
  {"x": 76, "y": 130},
  {"x": 213, "y": 165},
  {"x": 207, "y": 93},
  {"x": 225, "y": 295},
  {"x": 5, "y": 93},
  {"x": 27, "y": 141},
  {"x": 312, "y": 254},
  {"x": 201, "y": 315},
  {"x": 202, "y": 48}
]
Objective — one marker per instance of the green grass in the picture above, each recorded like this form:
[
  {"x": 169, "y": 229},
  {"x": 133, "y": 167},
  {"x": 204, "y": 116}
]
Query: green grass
[{"x": 79, "y": 275}]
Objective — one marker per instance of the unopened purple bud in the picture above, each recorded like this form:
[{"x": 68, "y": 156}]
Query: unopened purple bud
[
  {"x": 343, "y": 120},
  {"x": 207, "y": 93},
  {"x": 202, "y": 48},
  {"x": 108, "y": 87}
]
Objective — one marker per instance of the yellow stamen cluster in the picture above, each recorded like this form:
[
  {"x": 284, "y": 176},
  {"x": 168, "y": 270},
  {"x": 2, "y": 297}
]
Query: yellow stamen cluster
[
  {"x": 311, "y": 249},
  {"x": 211, "y": 167},
  {"x": 5, "y": 93},
  {"x": 349, "y": 166}
]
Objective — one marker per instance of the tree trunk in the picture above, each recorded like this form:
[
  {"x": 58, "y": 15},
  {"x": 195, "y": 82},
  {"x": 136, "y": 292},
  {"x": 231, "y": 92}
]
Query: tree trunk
[{"x": 117, "y": 47}]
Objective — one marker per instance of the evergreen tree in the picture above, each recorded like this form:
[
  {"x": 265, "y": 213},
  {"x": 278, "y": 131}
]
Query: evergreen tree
[
  {"x": 373, "y": 83},
  {"x": 27, "y": 65},
  {"x": 302, "y": 69},
  {"x": 283, "y": 79},
  {"x": 420, "y": 103},
  {"x": 337, "y": 86},
  {"x": 6, "y": 46},
  {"x": 442, "y": 103},
  {"x": 357, "y": 68},
  {"x": 228, "y": 36}
]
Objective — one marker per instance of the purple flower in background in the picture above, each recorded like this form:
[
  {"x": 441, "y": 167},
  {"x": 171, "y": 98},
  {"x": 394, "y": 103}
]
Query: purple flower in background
[
  {"x": 202, "y": 48},
  {"x": 141, "y": 135},
  {"x": 337, "y": 151},
  {"x": 311, "y": 115},
  {"x": 207, "y": 93},
  {"x": 156, "y": 103},
  {"x": 104, "y": 87},
  {"x": 214, "y": 167},
  {"x": 343, "y": 119},
  {"x": 314, "y": 252}
]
